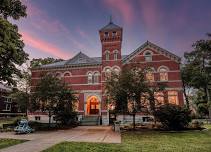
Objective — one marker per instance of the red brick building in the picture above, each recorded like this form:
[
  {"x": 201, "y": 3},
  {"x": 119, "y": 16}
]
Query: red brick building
[{"x": 86, "y": 75}]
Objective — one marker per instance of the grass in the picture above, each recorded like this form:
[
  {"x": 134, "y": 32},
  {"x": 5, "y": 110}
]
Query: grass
[
  {"x": 146, "y": 141},
  {"x": 9, "y": 142}
]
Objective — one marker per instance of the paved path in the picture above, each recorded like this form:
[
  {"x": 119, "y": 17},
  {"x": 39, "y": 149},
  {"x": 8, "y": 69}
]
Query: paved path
[{"x": 42, "y": 140}]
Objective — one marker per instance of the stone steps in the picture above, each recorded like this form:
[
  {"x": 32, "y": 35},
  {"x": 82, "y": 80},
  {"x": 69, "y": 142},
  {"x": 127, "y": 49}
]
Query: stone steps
[{"x": 90, "y": 121}]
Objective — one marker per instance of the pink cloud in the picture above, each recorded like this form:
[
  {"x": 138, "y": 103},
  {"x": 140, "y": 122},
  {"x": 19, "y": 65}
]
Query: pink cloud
[
  {"x": 44, "y": 46},
  {"x": 82, "y": 33},
  {"x": 122, "y": 7},
  {"x": 41, "y": 21}
]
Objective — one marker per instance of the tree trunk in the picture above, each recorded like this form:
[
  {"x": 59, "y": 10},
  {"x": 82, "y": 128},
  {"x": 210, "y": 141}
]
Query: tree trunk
[
  {"x": 186, "y": 97},
  {"x": 49, "y": 120},
  {"x": 134, "y": 121}
]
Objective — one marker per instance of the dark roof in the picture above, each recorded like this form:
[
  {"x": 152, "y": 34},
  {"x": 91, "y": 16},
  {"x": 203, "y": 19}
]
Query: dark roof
[
  {"x": 82, "y": 59},
  {"x": 78, "y": 60},
  {"x": 110, "y": 26}
]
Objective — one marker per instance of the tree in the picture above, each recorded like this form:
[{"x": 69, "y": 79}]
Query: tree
[
  {"x": 12, "y": 8},
  {"x": 38, "y": 62},
  {"x": 150, "y": 95},
  {"x": 125, "y": 90},
  {"x": 64, "y": 110},
  {"x": 11, "y": 45},
  {"x": 21, "y": 98},
  {"x": 200, "y": 101},
  {"x": 46, "y": 95},
  {"x": 52, "y": 96},
  {"x": 186, "y": 74},
  {"x": 197, "y": 68}
]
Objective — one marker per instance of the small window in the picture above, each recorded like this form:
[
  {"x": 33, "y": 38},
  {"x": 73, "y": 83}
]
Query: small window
[
  {"x": 8, "y": 107},
  {"x": 107, "y": 72},
  {"x": 148, "y": 56},
  {"x": 89, "y": 78},
  {"x": 114, "y": 34},
  {"x": 145, "y": 119},
  {"x": 150, "y": 75},
  {"x": 163, "y": 74},
  {"x": 116, "y": 55},
  {"x": 37, "y": 118},
  {"x": 173, "y": 97},
  {"x": 107, "y": 56},
  {"x": 58, "y": 75},
  {"x": 116, "y": 70},
  {"x": 106, "y": 34},
  {"x": 96, "y": 77},
  {"x": 67, "y": 74}
]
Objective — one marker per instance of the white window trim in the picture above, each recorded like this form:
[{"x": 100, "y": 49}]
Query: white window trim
[
  {"x": 151, "y": 53},
  {"x": 66, "y": 73}
]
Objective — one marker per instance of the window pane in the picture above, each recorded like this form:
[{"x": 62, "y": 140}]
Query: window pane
[
  {"x": 107, "y": 56},
  {"x": 164, "y": 76},
  {"x": 173, "y": 97},
  {"x": 150, "y": 76},
  {"x": 96, "y": 76},
  {"x": 89, "y": 78}
]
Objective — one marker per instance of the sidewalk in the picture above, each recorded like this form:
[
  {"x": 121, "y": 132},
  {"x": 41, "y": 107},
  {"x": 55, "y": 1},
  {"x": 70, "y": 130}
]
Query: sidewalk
[{"x": 42, "y": 140}]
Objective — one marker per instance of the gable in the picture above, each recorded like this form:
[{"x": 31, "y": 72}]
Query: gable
[{"x": 156, "y": 50}]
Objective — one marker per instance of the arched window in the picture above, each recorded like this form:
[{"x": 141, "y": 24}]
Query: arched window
[
  {"x": 107, "y": 55},
  {"x": 66, "y": 74},
  {"x": 107, "y": 72},
  {"x": 96, "y": 77},
  {"x": 163, "y": 74},
  {"x": 58, "y": 75},
  {"x": 114, "y": 33},
  {"x": 148, "y": 56},
  {"x": 116, "y": 55},
  {"x": 116, "y": 69},
  {"x": 150, "y": 74},
  {"x": 89, "y": 78},
  {"x": 106, "y": 34}
]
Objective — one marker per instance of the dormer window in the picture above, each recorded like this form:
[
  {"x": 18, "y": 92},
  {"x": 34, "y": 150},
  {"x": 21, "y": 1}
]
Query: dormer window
[
  {"x": 148, "y": 56},
  {"x": 114, "y": 34},
  {"x": 106, "y": 34}
]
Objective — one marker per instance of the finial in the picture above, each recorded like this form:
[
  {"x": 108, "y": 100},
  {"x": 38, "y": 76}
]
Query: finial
[{"x": 111, "y": 19}]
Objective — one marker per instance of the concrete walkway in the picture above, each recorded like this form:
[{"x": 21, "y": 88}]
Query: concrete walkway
[{"x": 39, "y": 141}]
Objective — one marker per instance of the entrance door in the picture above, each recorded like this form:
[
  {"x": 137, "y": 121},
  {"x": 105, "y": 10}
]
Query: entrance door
[{"x": 92, "y": 106}]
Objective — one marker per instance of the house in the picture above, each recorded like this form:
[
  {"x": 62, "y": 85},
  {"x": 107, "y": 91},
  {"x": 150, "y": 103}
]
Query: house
[
  {"x": 7, "y": 106},
  {"x": 87, "y": 75}
]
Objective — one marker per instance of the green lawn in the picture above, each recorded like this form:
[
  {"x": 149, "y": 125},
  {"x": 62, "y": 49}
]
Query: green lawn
[
  {"x": 146, "y": 141},
  {"x": 9, "y": 142}
]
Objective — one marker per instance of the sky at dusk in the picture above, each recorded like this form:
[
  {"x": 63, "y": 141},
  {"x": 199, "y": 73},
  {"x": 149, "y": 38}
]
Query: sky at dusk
[{"x": 62, "y": 28}]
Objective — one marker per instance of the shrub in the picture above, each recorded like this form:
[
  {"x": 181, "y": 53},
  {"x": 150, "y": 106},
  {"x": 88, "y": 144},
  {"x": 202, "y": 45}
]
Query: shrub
[
  {"x": 172, "y": 117},
  {"x": 67, "y": 118}
]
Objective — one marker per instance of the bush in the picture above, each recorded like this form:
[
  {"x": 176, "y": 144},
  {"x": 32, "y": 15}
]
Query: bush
[
  {"x": 172, "y": 117},
  {"x": 67, "y": 119},
  {"x": 42, "y": 126}
]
